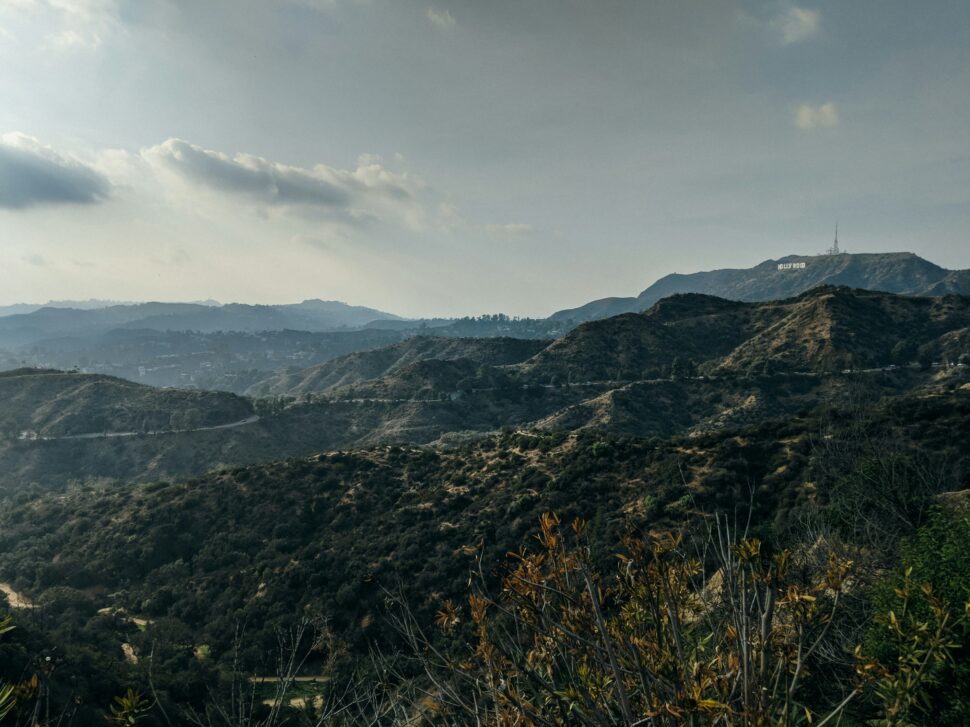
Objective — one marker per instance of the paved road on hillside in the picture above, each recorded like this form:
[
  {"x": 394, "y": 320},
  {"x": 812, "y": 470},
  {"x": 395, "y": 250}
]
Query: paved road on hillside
[
  {"x": 105, "y": 435},
  {"x": 613, "y": 384}
]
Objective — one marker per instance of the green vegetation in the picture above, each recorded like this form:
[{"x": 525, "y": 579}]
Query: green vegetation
[
  {"x": 692, "y": 364},
  {"x": 928, "y": 597},
  {"x": 203, "y": 576},
  {"x": 54, "y": 404}
]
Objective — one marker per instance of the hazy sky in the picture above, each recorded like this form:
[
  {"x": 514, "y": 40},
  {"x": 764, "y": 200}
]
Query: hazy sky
[{"x": 463, "y": 156}]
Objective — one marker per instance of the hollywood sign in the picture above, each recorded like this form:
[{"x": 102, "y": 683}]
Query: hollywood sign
[{"x": 791, "y": 266}]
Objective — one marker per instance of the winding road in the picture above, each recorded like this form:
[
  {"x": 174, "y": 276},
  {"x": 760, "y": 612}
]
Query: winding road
[{"x": 105, "y": 435}]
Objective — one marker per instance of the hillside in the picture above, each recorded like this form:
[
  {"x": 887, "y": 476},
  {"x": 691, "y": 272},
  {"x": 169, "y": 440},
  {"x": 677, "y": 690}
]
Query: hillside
[
  {"x": 324, "y": 535},
  {"x": 825, "y": 329},
  {"x": 357, "y": 367},
  {"x": 692, "y": 364},
  {"x": 54, "y": 404},
  {"x": 903, "y": 273}
]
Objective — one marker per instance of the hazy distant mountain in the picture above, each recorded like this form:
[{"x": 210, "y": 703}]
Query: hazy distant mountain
[
  {"x": 91, "y": 304},
  {"x": 310, "y": 315},
  {"x": 19, "y": 309},
  {"x": 897, "y": 272}
]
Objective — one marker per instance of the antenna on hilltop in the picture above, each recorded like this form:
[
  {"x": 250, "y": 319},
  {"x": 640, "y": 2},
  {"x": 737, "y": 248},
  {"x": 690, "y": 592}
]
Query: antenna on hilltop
[{"x": 834, "y": 250}]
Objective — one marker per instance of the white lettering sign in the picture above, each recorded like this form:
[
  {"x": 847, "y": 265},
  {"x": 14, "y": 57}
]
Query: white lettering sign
[{"x": 791, "y": 266}]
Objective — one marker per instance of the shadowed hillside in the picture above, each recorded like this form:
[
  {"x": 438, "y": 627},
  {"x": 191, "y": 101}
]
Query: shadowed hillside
[
  {"x": 366, "y": 365},
  {"x": 45, "y": 403}
]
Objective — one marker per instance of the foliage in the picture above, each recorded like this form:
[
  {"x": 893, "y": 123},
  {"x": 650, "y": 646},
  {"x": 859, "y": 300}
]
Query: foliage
[
  {"x": 919, "y": 640},
  {"x": 661, "y": 641},
  {"x": 130, "y": 708},
  {"x": 7, "y": 696},
  {"x": 172, "y": 568}
]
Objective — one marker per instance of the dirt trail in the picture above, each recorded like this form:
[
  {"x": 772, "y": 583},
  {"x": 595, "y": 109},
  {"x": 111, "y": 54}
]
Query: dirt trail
[{"x": 16, "y": 600}]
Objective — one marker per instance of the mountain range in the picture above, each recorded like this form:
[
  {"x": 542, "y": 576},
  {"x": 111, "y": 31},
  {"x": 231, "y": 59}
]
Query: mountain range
[
  {"x": 691, "y": 364},
  {"x": 54, "y": 322},
  {"x": 170, "y": 535},
  {"x": 897, "y": 272}
]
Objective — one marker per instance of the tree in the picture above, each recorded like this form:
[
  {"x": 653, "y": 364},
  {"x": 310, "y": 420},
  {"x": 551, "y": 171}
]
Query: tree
[
  {"x": 903, "y": 353},
  {"x": 678, "y": 368}
]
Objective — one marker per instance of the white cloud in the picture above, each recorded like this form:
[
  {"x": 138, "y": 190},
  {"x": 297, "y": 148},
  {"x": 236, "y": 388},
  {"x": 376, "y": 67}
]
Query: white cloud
[
  {"x": 69, "y": 24},
  {"x": 796, "y": 24},
  {"x": 339, "y": 202},
  {"x": 32, "y": 174},
  {"x": 441, "y": 18},
  {"x": 276, "y": 184},
  {"x": 816, "y": 117}
]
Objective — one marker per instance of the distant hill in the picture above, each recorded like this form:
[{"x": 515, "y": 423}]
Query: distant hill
[
  {"x": 357, "y": 367},
  {"x": 898, "y": 272},
  {"x": 92, "y": 303},
  {"x": 45, "y": 403},
  {"x": 310, "y": 315}
]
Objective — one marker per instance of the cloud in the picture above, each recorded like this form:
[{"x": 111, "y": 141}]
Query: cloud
[
  {"x": 344, "y": 200},
  {"x": 796, "y": 24},
  {"x": 276, "y": 184},
  {"x": 816, "y": 117},
  {"x": 71, "y": 24},
  {"x": 37, "y": 260},
  {"x": 32, "y": 174},
  {"x": 441, "y": 18}
]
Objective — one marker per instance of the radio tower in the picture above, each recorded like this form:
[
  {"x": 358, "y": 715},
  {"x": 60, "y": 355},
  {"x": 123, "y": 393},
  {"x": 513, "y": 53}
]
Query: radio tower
[{"x": 834, "y": 250}]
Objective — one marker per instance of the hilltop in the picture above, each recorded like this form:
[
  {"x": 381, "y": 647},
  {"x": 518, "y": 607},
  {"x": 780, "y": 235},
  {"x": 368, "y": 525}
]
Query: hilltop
[
  {"x": 825, "y": 329},
  {"x": 898, "y": 272},
  {"x": 56, "y": 404},
  {"x": 374, "y": 364},
  {"x": 691, "y": 364}
]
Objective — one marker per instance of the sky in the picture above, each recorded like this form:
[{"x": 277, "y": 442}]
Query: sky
[{"x": 452, "y": 157}]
